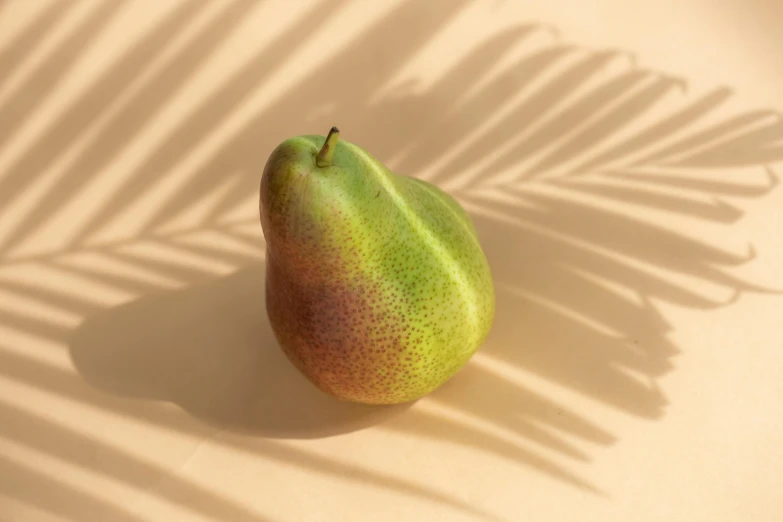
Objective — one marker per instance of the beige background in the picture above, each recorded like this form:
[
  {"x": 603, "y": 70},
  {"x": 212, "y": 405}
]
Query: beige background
[{"x": 619, "y": 159}]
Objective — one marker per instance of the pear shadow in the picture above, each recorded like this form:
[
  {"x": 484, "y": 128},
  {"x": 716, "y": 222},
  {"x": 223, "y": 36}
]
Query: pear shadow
[{"x": 210, "y": 350}]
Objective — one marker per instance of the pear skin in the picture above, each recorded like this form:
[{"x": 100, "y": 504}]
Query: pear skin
[{"x": 377, "y": 287}]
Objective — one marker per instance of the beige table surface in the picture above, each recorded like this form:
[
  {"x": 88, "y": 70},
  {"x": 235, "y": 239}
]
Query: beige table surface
[{"x": 618, "y": 157}]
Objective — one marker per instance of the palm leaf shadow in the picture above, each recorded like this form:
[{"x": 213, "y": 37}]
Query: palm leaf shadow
[
  {"x": 553, "y": 250},
  {"x": 40, "y": 84},
  {"x": 82, "y": 113},
  {"x": 15, "y": 52}
]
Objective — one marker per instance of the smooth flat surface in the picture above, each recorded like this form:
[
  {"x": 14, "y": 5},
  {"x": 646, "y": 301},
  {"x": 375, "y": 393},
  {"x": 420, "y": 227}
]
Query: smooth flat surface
[{"x": 619, "y": 159}]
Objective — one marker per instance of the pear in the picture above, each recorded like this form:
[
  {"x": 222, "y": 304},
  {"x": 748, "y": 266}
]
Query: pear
[{"x": 377, "y": 288}]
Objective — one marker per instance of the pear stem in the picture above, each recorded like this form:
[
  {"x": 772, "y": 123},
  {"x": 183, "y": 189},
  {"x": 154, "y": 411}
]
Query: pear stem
[{"x": 324, "y": 158}]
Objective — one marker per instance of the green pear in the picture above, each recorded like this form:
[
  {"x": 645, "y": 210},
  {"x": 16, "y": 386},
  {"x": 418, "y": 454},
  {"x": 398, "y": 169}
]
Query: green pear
[{"x": 377, "y": 287}]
